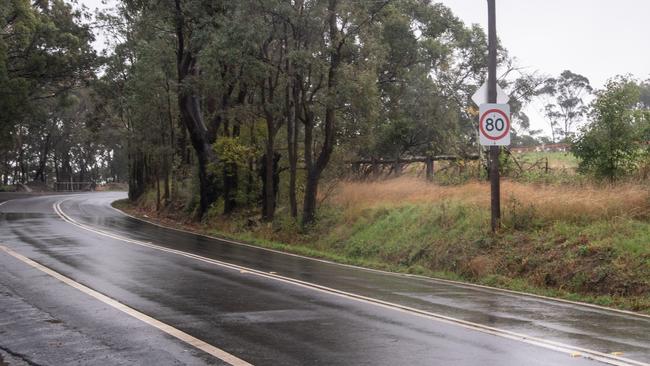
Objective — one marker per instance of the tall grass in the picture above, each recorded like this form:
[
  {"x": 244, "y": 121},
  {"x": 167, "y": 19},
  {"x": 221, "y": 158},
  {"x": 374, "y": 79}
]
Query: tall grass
[{"x": 549, "y": 202}]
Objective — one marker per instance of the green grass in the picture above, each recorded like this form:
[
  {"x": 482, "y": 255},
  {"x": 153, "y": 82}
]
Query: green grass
[
  {"x": 555, "y": 159},
  {"x": 605, "y": 262},
  {"x": 4, "y": 188}
]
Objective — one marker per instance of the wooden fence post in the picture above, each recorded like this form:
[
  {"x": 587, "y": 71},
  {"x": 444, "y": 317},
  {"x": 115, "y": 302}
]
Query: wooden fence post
[
  {"x": 546, "y": 167},
  {"x": 429, "y": 163}
]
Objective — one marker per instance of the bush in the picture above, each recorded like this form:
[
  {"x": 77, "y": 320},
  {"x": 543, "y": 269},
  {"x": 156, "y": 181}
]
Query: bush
[{"x": 610, "y": 146}]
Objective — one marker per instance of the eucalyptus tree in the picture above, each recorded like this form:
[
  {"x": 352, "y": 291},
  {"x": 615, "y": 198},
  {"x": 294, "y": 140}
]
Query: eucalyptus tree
[
  {"x": 231, "y": 73},
  {"x": 193, "y": 21},
  {"x": 332, "y": 43},
  {"x": 139, "y": 93},
  {"x": 45, "y": 54},
  {"x": 567, "y": 106},
  {"x": 427, "y": 65},
  {"x": 324, "y": 80}
]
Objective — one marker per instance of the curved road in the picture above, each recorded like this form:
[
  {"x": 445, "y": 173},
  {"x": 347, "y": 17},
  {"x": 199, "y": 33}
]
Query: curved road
[{"x": 82, "y": 283}]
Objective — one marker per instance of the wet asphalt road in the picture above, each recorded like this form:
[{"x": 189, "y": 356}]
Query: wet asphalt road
[{"x": 261, "y": 320}]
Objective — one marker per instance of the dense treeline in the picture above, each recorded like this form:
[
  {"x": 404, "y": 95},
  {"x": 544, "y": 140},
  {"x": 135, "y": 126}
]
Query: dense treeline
[
  {"x": 47, "y": 125},
  {"x": 216, "y": 105},
  {"x": 235, "y": 99}
]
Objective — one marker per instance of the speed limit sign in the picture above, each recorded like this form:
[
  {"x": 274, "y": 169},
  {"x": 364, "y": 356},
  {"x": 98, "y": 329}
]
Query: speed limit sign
[{"x": 494, "y": 124}]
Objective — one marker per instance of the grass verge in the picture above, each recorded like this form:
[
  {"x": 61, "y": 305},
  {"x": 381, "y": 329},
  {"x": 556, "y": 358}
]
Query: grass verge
[{"x": 587, "y": 244}]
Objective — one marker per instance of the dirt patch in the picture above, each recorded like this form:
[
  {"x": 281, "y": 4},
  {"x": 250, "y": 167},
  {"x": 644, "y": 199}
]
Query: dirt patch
[{"x": 482, "y": 266}]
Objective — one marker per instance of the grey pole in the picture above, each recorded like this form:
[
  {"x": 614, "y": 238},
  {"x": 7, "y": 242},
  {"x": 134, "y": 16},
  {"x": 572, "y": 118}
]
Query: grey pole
[{"x": 495, "y": 189}]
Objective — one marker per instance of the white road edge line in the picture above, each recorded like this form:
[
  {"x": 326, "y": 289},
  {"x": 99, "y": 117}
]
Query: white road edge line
[
  {"x": 432, "y": 279},
  {"x": 176, "y": 333},
  {"x": 552, "y": 345}
]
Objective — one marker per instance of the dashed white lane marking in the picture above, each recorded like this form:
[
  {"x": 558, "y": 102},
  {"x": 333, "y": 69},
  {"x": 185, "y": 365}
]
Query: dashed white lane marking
[
  {"x": 552, "y": 345},
  {"x": 195, "y": 342}
]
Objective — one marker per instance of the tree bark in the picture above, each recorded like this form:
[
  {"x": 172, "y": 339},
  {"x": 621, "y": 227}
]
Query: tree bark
[
  {"x": 292, "y": 140},
  {"x": 292, "y": 94},
  {"x": 273, "y": 124},
  {"x": 270, "y": 184},
  {"x": 169, "y": 165},
  {"x": 192, "y": 118},
  {"x": 268, "y": 211},
  {"x": 42, "y": 160},
  {"x": 315, "y": 169},
  {"x": 136, "y": 178}
]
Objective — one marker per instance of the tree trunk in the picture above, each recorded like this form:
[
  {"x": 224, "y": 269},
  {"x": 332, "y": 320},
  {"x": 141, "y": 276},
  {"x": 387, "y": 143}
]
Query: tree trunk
[
  {"x": 42, "y": 160},
  {"x": 207, "y": 181},
  {"x": 268, "y": 89},
  {"x": 315, "y": 169},
  {"x": 136, "y": 178},
  {"x": 192, "y": 118},
  {"x": 292, "y": 109},
  {"x": 311, "y": 193},
  {"x": 6, "y": 170},
  {"x": 228, "y": 170},
  {"x": 169, "y": 174},
  {"x": 292, "y": 143},
  {"x": 268, "y": 202},
  {"x": 167, "y": 195},
  {"x": 311, "y": 189},
  {"x": 250, "y": 181},
  {"x": 157, "y": 192}
]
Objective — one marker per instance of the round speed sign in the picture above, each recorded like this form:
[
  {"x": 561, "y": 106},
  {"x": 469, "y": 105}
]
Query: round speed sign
[{"x": 494, "y": 124}]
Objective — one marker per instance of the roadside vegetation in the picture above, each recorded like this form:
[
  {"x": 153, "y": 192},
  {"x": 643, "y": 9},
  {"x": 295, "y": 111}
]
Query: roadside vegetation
[
  {"x": 586, "y": 241},
  {"x": 307, "y": 125}
]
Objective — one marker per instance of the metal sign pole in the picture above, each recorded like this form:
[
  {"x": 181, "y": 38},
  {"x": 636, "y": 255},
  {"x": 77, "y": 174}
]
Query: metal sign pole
[{"x": 495, "y": 189}]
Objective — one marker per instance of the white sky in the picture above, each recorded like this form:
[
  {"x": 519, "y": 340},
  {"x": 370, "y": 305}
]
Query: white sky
[{"x": 596, "y": 38}]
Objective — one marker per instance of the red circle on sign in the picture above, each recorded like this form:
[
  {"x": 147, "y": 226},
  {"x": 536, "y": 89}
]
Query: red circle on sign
[{"x": 505, "y": 130}]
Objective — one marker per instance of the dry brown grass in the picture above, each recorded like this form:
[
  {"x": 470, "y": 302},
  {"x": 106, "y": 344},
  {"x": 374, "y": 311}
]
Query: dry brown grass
[{"x": 547, "y": 201}]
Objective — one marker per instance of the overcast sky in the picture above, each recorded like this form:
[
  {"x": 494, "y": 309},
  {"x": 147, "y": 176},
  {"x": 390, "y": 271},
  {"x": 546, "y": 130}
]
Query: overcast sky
[{"x": 596, "y": 38}]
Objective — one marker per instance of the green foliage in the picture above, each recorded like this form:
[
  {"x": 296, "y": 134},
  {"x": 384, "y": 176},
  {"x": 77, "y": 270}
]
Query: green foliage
[
  {"x": 420, "y": 99},
  {"x": 518, "y": 216},
  {"x": 46, "y": 64},
  {"x": 567, "y": 106},
  {"x": 231, "y": 151},
  {"x": 609, "y": 146}
]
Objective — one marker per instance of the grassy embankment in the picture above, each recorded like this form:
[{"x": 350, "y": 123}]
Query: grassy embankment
[{"x": 582, "y": 242}]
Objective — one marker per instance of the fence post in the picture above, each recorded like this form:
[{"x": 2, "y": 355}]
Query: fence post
[
  {"x": 546, "y": 166},
  {"x": 429, "y": 163},
  {"x": 375, "y": 169},
  {"x": 397, "y": 167}
]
